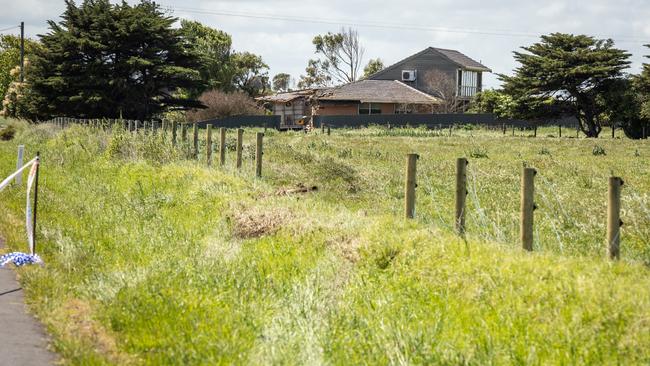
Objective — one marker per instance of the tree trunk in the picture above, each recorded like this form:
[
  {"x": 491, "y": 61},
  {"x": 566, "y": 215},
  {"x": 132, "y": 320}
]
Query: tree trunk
[{"x": 588, "y": 125}]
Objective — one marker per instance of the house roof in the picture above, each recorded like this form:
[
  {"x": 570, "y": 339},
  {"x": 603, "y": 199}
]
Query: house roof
[
  {"x": 377, "y": 91},
  {"x": 454, "y": 56},
  {"x": 288, "y": 96}
]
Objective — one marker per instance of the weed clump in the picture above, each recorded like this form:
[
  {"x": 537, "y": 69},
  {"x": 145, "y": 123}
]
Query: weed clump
[
  {"x": 598, "y": 151},
  {"x": 478, "y": 153},
  {"x": 7, "y": 133}
]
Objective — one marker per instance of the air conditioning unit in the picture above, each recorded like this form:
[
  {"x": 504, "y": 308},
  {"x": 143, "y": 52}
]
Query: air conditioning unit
[{"x": 409, "y": 75}]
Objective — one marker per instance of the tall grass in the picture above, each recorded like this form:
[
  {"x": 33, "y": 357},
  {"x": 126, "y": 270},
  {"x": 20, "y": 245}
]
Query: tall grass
[{"x": 153, "y": 258}]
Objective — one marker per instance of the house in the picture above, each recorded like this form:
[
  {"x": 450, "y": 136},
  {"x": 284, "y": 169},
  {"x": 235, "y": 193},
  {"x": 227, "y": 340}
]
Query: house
[
  {"x": 432, "y": 68},
  {"x": 372, "y": 97},
  {"x": 293, "y": 107}
]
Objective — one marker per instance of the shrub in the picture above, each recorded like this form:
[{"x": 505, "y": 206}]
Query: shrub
[
  {"x": 478, "y": 153},
  {"x": 598, "y": 151},
  {"x": 7, "y": 133},
  {"x": 221, "y": 104}
]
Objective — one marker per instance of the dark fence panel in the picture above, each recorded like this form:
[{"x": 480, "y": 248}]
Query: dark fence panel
[
  {"x": 243, "y": 121},
  {"x": 432, "y": 120}
]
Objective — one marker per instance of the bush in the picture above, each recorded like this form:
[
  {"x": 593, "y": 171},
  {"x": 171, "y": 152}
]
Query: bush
[
  {"x": 598, "y": 151},
  {"x": 7, "y": 133},
  {"x": 221, "y": 104}
]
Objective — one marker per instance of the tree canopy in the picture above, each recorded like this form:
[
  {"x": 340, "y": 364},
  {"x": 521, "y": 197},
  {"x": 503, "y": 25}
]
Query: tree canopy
[
  {"x": 373, "y": 66},
  {"x": 314, "y": 76},
  {"x": 213, "y": 49},
  {"x": 341, "y": 55},
  {"x": 281, "y": 82},
  {"x": 10, "y": 58},
  {"x": 570, "y": 74},
  {"x": 107, "y": 60}
]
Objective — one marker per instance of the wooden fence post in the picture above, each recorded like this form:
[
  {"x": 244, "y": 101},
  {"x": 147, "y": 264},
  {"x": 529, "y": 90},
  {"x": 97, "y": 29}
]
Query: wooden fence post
[
  {"x": 535, "y": 131},
  {"x": 208, "y": 143},
  {"x": 328, "y": 130},
  {"x": 240, "y": 138},
  {"x": 577, "y": 131},
  {"x": 19, "y": 163},
  {"x": 164, "y": 127},
  {"x": 527, "y": 207},
  {"x": 222, "y": 146},
  {"x": 461, "y": 194},
  {"x": 614, "y": 222},
  {"x": 451, "y": 127},
  {"x": 322, "y": 128},
  {"x": 409, "y": 188},
  {"x": 513, "y": 130},
  {"x": 174, "y": 132},
  {"x": 144, "y": 126},
  {"x": 258, "y": 155},
  {"x": 183, "y": 133},
  {"x": 613, "y": 131},
  {"x": 504, "y": 128},
  {"x": 560, "y": 129},
  {"x": 195, "y": 139}
]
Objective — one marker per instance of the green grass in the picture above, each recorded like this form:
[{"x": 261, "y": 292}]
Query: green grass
[{"x": 154, "y": 259}]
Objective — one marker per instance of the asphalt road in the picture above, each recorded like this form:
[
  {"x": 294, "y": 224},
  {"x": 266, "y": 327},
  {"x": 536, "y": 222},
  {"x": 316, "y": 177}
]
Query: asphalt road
[{"x": 22, "y": 339}]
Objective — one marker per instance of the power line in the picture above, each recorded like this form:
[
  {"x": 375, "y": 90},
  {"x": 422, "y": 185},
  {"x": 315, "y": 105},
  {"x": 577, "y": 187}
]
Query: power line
[
  {"x": 10, "y": 28},
  {"x": 381, "y": 25}
]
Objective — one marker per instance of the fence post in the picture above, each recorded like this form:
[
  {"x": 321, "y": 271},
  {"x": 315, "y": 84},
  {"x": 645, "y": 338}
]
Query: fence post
[
  {"x": 613, "y": 131},
  {"x": 577, "y": 131},
  {"x": 461, "y": 194},
  {"x": 513, "y": 130},
  {"x": 504, "y": 128},
  {"x": 322, "y": 128},
  {"x": 451, "y": 127},
  {"x": 195, "y": 140},
  {"x": 183, "y": 132},
  {"x": 409, "y": 189},
  {"x": 130, "y": 125},
  {"x": 208, "y": 142},
  {"x": 144, "y": 127},
  {"x": 329, "y": 131},
  {"x": 240, "y": 138},
  {"x": 614, "y": 222},
  {"x": 527, "y": 207},
  {"x": 174, "y": 132},
  {"x": 535, "y": 131},
  {"x": 153, "y": 127},
  {"x": 19, "y": 163},
  {"x": 560, "y": 130},
  {"x": 258, "y": 155},
  {"x": 222, "y": 146}
]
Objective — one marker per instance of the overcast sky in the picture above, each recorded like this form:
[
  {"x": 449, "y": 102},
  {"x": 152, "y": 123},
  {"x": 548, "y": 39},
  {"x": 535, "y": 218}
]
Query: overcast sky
[{"x": 488, "y": 31}]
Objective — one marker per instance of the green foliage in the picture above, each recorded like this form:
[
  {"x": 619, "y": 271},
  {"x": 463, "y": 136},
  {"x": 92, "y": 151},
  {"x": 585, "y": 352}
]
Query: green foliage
[
  {"x": 281, "y": 82},
  {"x": 341, "y": 54},
  {"x": 10, "y": 59},
  {"x": 102, "y": 59},
  {"x": 493, "y": 101},
  {"x": 566, "y": 73},
  {"x": 7, "y": 133},
  {"x": 251, "y": 74},
  {"x": 598, "y": 151},
  {"x": 144, "y": 265},
  {"x": 314, "y": 76},
  {"x": 213, "y": 48},
  {"x": 373, "y": 66}
]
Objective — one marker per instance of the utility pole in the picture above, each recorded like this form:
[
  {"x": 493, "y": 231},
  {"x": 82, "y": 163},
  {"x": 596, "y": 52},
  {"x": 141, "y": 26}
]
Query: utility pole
[{"x": 22, "y": 52}]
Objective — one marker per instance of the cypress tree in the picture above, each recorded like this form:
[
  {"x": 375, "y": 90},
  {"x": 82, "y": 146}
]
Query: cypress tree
[{"x": 104, "y": 59}]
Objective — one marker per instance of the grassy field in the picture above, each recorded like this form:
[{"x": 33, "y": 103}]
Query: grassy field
[{"x": 153, "y": 258}]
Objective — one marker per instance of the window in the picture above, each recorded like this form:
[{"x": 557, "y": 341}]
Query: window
[
  {"x": 467, "y": 83},
  {"x": 369, "y": 108},
  {"x": 404, "y": 109}
]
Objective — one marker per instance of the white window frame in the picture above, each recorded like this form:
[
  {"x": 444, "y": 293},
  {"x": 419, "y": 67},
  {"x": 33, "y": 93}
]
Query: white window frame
[{"x": 468, "y": 83}]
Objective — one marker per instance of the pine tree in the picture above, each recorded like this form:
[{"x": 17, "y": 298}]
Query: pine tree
[
  {"x": 105, "y": 60},
  {"x": 567, "y": 73}
]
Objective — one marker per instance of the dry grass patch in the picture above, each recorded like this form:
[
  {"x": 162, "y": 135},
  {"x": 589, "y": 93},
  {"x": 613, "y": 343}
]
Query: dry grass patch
[
  {"x": 257, "y": 222},
  {"x": 77, "y": 323}
]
